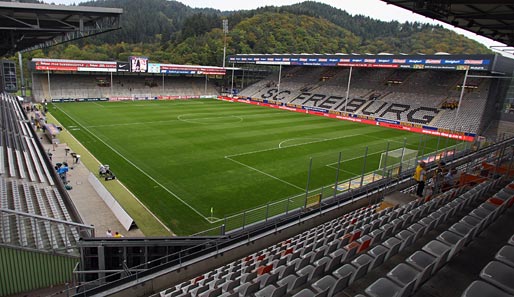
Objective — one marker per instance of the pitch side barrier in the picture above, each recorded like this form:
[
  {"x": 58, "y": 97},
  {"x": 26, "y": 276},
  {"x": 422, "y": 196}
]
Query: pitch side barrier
[
  {"x": 132, "y": 98},
  {"x": 333, "y": 114}
]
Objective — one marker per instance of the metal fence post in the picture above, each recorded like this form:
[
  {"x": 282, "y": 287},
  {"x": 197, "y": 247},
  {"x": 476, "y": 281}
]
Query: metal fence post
[
  {"x": 337, "y": 176},
  {"x": 364, "y": 165},
  {"x": 308, "y": 181},
  {"x": 384, "y": 170}
]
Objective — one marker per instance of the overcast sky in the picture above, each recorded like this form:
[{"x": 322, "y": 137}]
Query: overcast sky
[{"x": 372, "y": 8}]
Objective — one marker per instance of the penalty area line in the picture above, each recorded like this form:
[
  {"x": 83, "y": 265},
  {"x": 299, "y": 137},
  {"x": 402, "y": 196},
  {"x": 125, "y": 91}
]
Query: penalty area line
[{"x": 264, "y": 173}]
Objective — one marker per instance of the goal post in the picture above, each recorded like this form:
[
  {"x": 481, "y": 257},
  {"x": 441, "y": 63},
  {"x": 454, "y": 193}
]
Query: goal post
[{"x": 397, "y": 160}]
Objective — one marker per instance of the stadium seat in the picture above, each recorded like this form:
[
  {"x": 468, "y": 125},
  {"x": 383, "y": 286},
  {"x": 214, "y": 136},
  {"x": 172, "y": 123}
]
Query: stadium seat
[
  {"x": 383, "y": 287},
  {"x": 393, "y": 245},
  {"x": 439, "y": 250},
  {"x": 423, "y": 262},
  {"x": 212, "y": 292},
  {"x": 506, "y": 255},
  {"x": 378, "y": 254},
  {"x": 480, "y": 289},
  {"x": 500, "y": 275},
  {"x": 405, "y": 276},
  {"x": 272, "y": 291},
  {"x": 361, "y": 263},
  {"x": 406, "y": 237},
  {"x": 309, "y": 293},
  {"x": 418, "y": 230},
  {"x": 293, "y": 282},
  {"x": 345, "y": 272},
  {"x": 313, "y": 271},
  {"x": 330, "y": 284},
  {"x": 455, "y": 241}
]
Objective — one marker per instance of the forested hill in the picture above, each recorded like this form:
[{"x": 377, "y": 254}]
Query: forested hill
[{"x": 169, "y": 31}]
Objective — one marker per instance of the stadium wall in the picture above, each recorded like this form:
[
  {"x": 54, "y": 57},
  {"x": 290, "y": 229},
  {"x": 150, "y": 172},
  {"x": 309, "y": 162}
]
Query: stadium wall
[
  {"x": 23, "y": 270},
  {"x": 464, "y": 136}
]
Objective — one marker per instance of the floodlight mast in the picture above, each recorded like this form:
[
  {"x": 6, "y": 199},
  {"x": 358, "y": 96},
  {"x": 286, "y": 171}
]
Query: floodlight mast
[{"x": 225, "y": 32}]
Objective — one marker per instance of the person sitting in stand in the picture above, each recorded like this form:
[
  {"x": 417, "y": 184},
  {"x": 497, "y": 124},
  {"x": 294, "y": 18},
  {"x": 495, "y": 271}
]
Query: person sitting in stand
[{"x": 118, "y": 235}]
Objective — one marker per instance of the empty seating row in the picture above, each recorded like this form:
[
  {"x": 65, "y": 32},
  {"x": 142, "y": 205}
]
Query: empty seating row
[
  {"x": 407, "y": 277},
  {"x": 323, "y": 259}
]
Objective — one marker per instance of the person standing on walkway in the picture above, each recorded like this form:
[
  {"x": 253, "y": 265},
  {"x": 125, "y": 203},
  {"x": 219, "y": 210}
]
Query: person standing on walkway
[{"x": 420, "y": 176}]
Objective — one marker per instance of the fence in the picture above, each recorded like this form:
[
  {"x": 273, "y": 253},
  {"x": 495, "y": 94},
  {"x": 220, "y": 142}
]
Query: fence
[{"x": 429, "y": 149}]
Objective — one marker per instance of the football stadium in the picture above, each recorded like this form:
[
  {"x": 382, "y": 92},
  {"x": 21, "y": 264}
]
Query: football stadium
[{"x": 277, "y": 174}]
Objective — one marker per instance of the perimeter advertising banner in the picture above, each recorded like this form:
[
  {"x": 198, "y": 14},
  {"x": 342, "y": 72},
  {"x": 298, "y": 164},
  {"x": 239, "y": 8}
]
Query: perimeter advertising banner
[
  {"x": 122, "y": 66},
  {"x": 444, "y": 62},
  {"x": 74, "y": 65}
]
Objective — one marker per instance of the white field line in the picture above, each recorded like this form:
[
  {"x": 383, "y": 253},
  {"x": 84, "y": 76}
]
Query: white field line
[
  {"x": 351, "y": 159},
  {"x": 132, "y": 194},
  {"x": 291, "y": 139},
  {"x": 138, "y": 168},
  {"x": 264, "y": 173},
  {"x": 294, "y": 145}
]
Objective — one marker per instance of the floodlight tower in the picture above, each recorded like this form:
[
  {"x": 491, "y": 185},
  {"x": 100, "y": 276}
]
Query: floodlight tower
[{"x": 225, "y": 32}]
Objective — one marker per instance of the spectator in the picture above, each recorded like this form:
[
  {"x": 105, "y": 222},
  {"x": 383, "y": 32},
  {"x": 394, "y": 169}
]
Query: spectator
[
  {"x": 108, "y": 233},
  {"x": 62, "y": 171},
  {"x": 118, "y": 235},
  {"x": 420, "y": 176}
]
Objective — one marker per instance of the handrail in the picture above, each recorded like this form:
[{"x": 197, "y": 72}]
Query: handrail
[{"x": 31, "y": 215}]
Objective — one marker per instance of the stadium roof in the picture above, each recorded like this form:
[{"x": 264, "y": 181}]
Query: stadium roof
[
  {"x": 490, "y": 18},
  {"x": 28, "y": 26}
]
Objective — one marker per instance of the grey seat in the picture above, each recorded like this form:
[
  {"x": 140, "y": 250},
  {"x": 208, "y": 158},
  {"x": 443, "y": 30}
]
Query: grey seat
[
  {"x": 454, "y": 240},
  {"x": 378, "y": 253},
  {"x": 424, "y": 263},
  {"x": 293, "y": 282},
  {"x": 361, "y": 264},
  {"x": 506, "y": 255},
  {"x": 383, "y": 287},
  {"x": 405, "y": 276},
  {"x": 438, "y": 250},
  {"x": 406, "y": 237},
  {"x": 463, "y": 229},
  {"x": 212, "y": 293},
  {"x": 392, "y": 245},
  {"x": 346, "y": 271},
  {"x": 418, "y": 230},
  {"x": 330, "y": 284},
  {"x": 248, "y": 289},
  {"x": 480, "y": 289},
  {"x": 272, "y": 291},
  {"x": 309, "y": 293},
  {"x": 313, "y": 271},
  {"x": 500, "y": 275}
]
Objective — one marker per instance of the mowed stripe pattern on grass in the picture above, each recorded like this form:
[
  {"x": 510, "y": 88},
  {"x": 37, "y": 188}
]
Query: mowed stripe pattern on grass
[{"x": 217, "y": 154}]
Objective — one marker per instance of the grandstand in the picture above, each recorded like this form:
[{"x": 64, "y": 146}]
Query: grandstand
[
  {"x": 411, "y": 96},
  {"x": 374, "y": 240},
  {"x": 64, "y": 86}
]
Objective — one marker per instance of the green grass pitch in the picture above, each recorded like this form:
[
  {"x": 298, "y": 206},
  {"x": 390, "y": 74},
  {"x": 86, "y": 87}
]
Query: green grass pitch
[{"x": 182, "y": 158}]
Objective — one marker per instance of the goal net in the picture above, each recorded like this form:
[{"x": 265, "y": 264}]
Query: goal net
[{"x": 397, "y": 160}]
